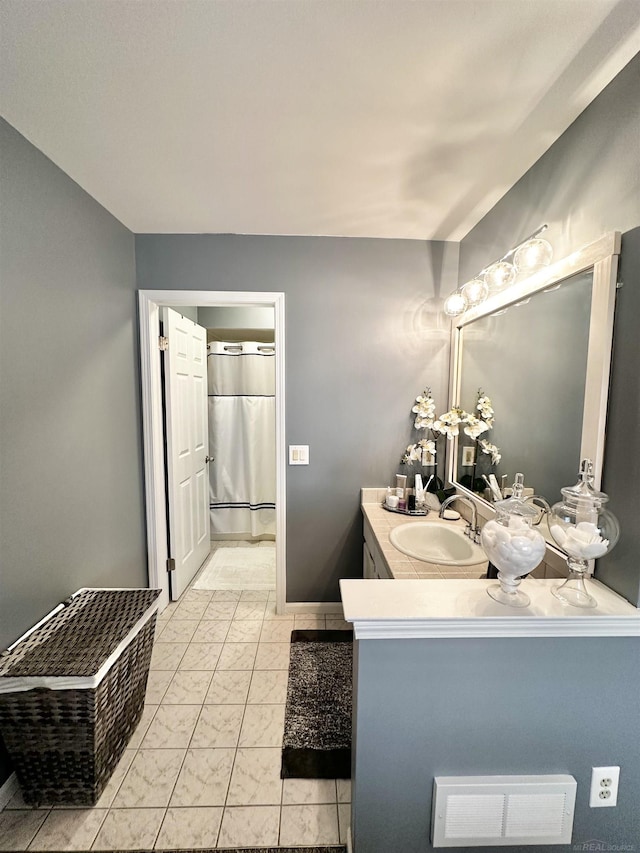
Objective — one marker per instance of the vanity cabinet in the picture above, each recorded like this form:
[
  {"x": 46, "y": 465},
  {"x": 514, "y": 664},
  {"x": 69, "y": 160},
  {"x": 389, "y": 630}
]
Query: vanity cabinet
[
  {"x": 374, "y": 566},
  {"x": 368, "y": 564}
]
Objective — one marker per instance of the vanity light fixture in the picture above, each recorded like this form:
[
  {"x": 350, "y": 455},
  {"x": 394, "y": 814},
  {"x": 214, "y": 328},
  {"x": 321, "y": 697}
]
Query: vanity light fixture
[
  {"x": 499, "y": 275},
  {"x": 526, "y": 257},
  {"x": 455, "y": 304},
  {"x": 475, "y": 291},
  {"x": 533, "y": 255}
]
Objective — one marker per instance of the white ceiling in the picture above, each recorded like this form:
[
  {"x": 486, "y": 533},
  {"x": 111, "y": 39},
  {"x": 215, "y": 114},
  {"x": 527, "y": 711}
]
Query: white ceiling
[{"x": 377, "y": 118}]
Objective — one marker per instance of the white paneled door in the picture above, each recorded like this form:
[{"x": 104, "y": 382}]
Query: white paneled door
[{"x": 185, "y": 377}]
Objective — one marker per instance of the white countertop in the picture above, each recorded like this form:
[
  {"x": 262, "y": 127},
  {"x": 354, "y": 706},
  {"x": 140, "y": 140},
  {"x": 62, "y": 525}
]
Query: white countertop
[{"x": 413, "y": 609}]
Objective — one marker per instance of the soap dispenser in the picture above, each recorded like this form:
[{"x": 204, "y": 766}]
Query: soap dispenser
[{"x": 512, "y": 545}]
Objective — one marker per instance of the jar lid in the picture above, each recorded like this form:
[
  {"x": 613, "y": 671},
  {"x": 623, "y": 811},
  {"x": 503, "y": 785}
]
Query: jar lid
[
  {"x": 583, "y": 492},
  {"x": 516, "y": 505}
]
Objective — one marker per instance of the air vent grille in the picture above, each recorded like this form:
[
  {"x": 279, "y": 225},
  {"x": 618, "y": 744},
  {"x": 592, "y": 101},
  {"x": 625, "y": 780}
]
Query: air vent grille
[
  {"x": 480, "y": 815},
  {"x": 535, "y": 815},
  {"x": 502, "y": 810}
]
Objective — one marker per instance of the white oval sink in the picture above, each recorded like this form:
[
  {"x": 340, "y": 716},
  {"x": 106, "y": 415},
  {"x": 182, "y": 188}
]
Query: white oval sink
[{"x": 436, "y": 542}]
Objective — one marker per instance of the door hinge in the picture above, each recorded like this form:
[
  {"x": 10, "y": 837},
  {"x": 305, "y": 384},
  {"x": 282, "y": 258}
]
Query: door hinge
[
  {"x": 171, "y": 565},
  {"x": 163, "y": 343}
]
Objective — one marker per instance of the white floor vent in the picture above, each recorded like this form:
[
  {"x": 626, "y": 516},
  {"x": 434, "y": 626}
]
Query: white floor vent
[{"x": 481, "y": 811}]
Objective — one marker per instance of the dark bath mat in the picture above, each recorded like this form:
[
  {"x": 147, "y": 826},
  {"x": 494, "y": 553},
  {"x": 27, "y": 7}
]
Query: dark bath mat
[{"x": 317, "y": 719}]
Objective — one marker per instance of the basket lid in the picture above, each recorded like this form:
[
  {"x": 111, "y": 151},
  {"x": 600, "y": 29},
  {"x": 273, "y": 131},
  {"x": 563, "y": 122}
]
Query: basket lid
[{"x": 78, "y": 638}]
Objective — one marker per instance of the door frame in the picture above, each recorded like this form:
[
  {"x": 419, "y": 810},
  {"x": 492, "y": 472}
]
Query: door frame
[{"x": 149, "y": 304}]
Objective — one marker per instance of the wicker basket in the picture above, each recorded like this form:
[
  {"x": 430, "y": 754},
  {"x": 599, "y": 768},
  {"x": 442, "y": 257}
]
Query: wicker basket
[{"x": 72, "y": 693}]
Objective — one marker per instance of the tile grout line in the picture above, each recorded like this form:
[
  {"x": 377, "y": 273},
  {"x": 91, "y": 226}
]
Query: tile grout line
[
  {"x": 140, "y": 746},
  {"x": 235, "y": 751},
  {"x": 173, "y": 789}
]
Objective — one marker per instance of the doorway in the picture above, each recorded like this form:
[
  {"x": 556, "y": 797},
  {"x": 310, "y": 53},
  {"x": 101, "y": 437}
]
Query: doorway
[{"x": 150, "y": 304}]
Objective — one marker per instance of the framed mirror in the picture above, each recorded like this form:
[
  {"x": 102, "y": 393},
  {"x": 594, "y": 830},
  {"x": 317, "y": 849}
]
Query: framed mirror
[{"x": 541, "y": 351}]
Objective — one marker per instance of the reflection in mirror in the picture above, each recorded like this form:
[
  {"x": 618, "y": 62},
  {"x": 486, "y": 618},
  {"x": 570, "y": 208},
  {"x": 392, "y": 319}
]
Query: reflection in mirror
[
  {"x": 532, "y": 362},
  {"x": 541, "y": 351}
]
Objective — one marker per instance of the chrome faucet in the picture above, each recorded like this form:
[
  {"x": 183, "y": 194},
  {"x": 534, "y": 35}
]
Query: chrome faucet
[{"x": 472, "y": 530}]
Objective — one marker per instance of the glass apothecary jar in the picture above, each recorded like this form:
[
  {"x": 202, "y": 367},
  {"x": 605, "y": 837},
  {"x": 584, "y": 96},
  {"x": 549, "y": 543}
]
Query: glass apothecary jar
[
  {"x": 584, "y": 530},
  {"x": 512, "y": 545}
]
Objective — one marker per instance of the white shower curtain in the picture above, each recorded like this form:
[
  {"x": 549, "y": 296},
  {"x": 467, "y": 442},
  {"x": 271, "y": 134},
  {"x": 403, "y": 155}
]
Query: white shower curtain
[{"x": 242, "y": 476}]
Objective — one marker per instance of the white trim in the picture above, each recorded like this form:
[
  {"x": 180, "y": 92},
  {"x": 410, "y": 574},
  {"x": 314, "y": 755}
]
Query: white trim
[
  {"x": 599, "y": 355},
  {"x": 417, "y": 629},
  {"x": 8, "y": 789},
  {"x": 153, "y": 432},
  {"x": 327, "y": 608},
  {"x": 425, "y": 609},
  {"x": 153, "y": 441},
  {"x": 349, "y": 842}
]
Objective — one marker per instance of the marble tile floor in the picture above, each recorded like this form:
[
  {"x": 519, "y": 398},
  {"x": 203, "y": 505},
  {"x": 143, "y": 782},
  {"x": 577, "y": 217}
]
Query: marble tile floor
[{"x": 203, "y": 767}]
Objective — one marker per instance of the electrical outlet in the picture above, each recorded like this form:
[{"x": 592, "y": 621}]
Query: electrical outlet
[{"x": 604, "y": 787}]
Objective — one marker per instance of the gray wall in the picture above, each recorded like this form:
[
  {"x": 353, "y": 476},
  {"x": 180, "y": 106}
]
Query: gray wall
[
  {"x": 236, "y": 318},
  {"x": 189, "y": 311},
  {"x": 71, "y": 501},
  {"x": 426, "y": 708},
  {"x": 586, "y": 184},
  {"x": 364, "y": 334}
]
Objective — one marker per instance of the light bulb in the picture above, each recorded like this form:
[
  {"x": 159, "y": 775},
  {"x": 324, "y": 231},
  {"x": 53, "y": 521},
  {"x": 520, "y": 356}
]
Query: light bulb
[
  {"x": 475, "y": 291},
  {"x": 455, "y": 303},
  {"x": 533, "y": 255},
  {"x": 499, "y": 275}
]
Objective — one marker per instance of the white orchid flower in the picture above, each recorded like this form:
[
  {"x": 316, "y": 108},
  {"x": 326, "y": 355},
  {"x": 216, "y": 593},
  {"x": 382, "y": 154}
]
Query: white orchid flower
[
  {"x": 425, "y": 410},
  {"x": 450, "y": 429},
  {"x": 447, "y": 424},
  {"x": 490, "y": 450},
  {"x": 485, "y": 407},
  {"x": 420, "y": 452},
  {"x": 475, "y": 427},
  {"x": 422, "y": 422}
]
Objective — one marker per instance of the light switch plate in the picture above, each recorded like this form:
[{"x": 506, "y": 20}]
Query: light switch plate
[{"x": 298, "y": 454}]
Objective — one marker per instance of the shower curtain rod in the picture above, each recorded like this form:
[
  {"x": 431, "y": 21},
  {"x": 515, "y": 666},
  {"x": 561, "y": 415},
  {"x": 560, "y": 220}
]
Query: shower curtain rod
[{"x": 260, "y": 348}]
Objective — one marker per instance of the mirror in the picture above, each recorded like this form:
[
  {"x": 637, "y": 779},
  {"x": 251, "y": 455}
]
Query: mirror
[{"x": 541, "y": 352}]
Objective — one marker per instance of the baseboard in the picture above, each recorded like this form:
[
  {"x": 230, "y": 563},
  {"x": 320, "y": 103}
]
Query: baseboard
[
  {"x": 8, "y": 789},
  {"x": 325, "y": 607},
  {"x": 241, "y": 537}
]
